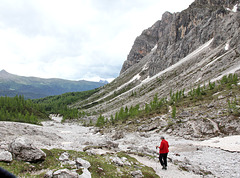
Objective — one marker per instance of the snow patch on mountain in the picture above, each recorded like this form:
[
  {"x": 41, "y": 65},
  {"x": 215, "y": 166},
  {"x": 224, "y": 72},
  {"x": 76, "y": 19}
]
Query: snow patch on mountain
[
  {"x": 136, "y": 77},
  {"x": 227, "y": 46},
  {"x": 217, "y": 58},
  {"x": 234, "y": 9},
  {"x": 154, "y": 48},
  {"x": 145, "y": 67}
]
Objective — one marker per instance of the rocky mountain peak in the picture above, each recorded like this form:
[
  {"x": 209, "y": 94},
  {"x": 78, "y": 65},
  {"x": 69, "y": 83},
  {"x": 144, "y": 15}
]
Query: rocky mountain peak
[
  {"x": 227, "y": 3},
  {"x": 142, "y": 46},
  {"x": 167, "y": 16},
  {"x": 178, "y": 34},
  {"x": 103, "y": 81},
  {"x": 5, "y": 75},
  {"x": 2, "y": 72}
]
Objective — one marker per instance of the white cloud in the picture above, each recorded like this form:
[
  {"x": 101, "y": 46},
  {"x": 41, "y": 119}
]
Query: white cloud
[{"x": 74, "y": 39}]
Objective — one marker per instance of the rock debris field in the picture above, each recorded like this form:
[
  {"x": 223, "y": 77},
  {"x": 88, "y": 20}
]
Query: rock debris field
[{"x": 216, "y": 157}]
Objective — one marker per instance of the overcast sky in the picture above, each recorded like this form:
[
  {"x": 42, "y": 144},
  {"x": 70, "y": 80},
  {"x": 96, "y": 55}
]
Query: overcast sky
[{"x": 74, "y": 39}]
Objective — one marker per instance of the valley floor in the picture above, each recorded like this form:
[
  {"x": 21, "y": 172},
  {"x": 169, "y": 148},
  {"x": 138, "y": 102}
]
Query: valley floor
[{"x": 217, "y": 157}]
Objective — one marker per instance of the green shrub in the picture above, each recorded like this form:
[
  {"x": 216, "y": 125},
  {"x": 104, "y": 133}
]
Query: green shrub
[
  {"x": 211, "y": 85},
  {"x": 233, "y": 107},
  {"x": 174, "y": 109},
  {"x": 100, "y": 121}
]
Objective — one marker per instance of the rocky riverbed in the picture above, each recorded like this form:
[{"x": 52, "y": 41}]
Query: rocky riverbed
[{"x": 217, "y": 157}]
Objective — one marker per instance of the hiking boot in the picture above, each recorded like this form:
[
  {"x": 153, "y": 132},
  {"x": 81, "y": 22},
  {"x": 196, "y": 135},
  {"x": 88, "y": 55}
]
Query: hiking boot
[{"x": 164, "y": 168}]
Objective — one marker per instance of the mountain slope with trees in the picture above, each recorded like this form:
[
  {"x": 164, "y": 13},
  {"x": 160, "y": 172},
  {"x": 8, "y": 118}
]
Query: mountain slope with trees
[{"x": 18, "y": 109}]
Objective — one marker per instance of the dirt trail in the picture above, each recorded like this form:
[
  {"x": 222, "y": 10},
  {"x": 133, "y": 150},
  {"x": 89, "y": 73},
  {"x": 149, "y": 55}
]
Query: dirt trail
[{"x": 172, "y": 172}]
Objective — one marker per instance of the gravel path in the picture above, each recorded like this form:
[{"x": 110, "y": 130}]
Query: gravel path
[
  {"x": 173, "y": 170},
  {"x": 210, "y": 156}
]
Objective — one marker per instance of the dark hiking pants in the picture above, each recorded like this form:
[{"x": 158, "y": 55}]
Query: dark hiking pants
[{"x": 163, "y": 159}]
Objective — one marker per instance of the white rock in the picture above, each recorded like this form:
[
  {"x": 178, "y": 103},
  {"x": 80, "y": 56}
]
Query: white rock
[
  {"x": 49, "y": 174},
  {"x": 85, "y": 174},
  {"x": 82, "y": 163},
  {"x": 64, "y": 157},
  {"x": 117, "y": 161},
  {"x": 90, "y": 152},
  {"x": 5, "y": 156},
  {"x": 124, "y": 159},
  {"x": 65, "y": 173}
]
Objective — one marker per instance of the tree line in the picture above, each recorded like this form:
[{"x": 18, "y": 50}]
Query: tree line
[
  {"x": 59, "y": 104},
  {"x": 18, "y": 109}
]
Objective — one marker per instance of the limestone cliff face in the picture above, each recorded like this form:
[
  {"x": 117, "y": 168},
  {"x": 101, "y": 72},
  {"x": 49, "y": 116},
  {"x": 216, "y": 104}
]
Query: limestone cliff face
[
  {"x": 176, "y": 35},
  {"x": 142, "y": 46}
]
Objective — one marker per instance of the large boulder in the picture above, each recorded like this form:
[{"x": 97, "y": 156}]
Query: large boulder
[
  {"x": 23, "y": 149},
  {"x": 5, "y": 156}
]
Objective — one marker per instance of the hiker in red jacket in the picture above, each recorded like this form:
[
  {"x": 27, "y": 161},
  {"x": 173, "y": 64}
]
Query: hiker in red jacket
[{"x": 163, "y": 152}]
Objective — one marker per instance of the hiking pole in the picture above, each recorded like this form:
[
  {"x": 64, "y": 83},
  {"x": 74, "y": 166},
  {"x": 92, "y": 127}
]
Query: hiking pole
[{"x": 157, "y": 156}]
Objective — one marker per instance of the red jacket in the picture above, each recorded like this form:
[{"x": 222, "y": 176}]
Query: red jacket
[{"x": 163, "y": 147}]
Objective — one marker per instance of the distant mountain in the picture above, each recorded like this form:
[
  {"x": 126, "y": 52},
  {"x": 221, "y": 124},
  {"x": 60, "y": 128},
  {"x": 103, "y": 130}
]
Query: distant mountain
[
  {"x": 33, "y": 87},
  {"x": 103, "y": 81}
]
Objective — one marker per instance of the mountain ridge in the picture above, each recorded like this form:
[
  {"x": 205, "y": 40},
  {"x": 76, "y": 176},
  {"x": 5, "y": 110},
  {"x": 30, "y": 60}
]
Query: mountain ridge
[{"x": 34, "y": 87}]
